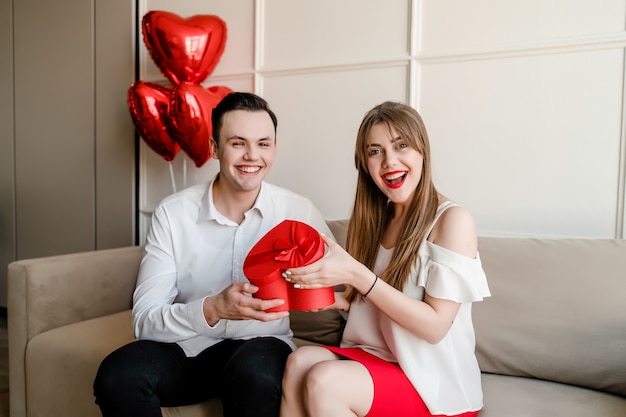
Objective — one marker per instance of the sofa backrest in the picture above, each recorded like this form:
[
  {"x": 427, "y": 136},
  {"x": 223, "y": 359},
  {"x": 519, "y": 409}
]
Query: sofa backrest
[
  {"x": 557, "y": 311},
  {"x": 339, "y": 229}
]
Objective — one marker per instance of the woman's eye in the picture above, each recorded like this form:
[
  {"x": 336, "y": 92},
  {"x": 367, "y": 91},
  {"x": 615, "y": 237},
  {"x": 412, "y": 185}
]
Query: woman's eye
[
  {"x": 374, "y": 152},
  {"x": 403, "y": 145}
]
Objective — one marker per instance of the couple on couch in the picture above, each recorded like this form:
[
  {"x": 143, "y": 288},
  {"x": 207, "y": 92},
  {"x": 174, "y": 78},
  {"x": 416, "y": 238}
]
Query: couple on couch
[{"x": 411, "y": 271}]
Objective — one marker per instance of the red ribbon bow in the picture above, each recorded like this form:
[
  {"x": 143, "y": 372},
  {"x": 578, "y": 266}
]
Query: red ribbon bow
[{"x": 290, "y": 244}]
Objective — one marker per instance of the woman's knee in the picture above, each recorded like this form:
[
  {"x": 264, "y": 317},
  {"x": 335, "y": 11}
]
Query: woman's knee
[
  {"x": 297, "y": 365},
  {"x": 306, "y": 356},
  {"x": 320, "y": 380},
  {"x": 302, "y": 360}
]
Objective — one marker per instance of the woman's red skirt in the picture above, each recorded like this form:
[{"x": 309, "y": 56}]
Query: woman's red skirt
[{"x": 394, "y": 395}]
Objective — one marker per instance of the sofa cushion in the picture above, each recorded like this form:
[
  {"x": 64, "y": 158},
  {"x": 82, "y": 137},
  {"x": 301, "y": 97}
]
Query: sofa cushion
[
  {"x": 322, "y": 327},
  {"x": 510, "y": 396},
  {"x": 339, "y": 229},
  {"x": 61, "y": 365},
  {"x": 211, "y": 408},
  {"x": 557, "y": 311}
]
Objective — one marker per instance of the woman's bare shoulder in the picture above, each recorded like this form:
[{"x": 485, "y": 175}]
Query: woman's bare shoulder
[{"x": 456, "y": 231}]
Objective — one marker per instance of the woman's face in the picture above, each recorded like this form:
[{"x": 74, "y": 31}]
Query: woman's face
[{"x": 393, "y": 164}]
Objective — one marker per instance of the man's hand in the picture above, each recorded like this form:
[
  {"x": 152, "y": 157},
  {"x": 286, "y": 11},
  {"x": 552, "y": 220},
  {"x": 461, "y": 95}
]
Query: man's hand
[{"x": 235, "y": 303}]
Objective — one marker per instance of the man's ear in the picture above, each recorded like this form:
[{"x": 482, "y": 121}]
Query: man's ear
[{"x": 213, "y": 144}]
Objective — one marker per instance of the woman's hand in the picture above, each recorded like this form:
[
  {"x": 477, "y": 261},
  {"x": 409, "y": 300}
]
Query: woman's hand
[{"x": 336, "y": 267}]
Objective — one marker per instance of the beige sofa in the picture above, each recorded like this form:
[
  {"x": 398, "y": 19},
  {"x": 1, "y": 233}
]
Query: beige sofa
[{"x": 551, "y": 341}]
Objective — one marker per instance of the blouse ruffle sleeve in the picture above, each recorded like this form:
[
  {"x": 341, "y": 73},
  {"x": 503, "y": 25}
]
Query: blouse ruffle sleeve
[{"x": 449, "y": 275}]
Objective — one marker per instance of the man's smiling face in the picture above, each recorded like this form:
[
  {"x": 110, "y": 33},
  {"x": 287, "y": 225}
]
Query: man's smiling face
[{"x": 247, "y": 149}]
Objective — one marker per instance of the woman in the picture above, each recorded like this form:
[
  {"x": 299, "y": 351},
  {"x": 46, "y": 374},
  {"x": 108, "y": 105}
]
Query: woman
[{"x": 412, "y": 271}]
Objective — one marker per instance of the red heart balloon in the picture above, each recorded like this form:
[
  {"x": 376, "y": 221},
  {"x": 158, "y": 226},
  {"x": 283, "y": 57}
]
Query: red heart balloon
[
  {"x": 184, "y": 49},
  {"x": 148, "y": 104},
  {"x": 190, "y": 118}
]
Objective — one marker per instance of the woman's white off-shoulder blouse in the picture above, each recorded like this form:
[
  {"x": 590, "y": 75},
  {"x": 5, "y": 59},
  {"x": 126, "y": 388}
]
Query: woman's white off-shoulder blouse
[{"x": 445, "y": 374}]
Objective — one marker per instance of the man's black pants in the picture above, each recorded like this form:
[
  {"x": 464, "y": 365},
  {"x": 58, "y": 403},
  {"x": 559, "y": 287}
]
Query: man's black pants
[{"x": 139, "y": 378}]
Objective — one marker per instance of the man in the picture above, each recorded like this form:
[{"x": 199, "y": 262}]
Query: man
[{"x": 200, "y": 333}]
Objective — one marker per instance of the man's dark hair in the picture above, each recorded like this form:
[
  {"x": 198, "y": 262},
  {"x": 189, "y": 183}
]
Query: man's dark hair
[{"x": 238, "y": 101}]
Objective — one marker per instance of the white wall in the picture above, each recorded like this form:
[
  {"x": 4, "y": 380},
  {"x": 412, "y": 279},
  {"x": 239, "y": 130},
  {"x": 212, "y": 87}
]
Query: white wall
[{"x": 523, "y": 101}]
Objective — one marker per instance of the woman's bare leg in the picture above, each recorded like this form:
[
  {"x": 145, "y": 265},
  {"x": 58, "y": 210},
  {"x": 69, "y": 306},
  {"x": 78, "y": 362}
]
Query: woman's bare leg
[
  {"x": 317, "y": 383},
  {"x": 298, "y": 365}
]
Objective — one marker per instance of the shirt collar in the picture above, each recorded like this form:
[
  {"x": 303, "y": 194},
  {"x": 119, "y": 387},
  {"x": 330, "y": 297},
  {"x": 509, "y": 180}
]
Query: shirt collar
[{"x": 208, "y": 211}]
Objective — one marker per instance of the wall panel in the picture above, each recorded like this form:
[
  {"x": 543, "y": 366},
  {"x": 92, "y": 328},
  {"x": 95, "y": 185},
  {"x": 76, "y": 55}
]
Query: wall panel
[
  {"x": 54, "y": 154},
  {"x": 452, "y": 27},
  {"x": 531, "y": 144},
  {"x": 7, "y": 146},
  {"x": 239, "y": 16},
  {"x": 67, "y": 137},
  {"x": 114, "y": 139},
  {"x": 317, "y": 33}
]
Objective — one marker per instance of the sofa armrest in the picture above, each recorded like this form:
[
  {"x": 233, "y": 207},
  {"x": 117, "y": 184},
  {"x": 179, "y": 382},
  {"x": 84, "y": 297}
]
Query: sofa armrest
[{"x": 46, "y": 293}]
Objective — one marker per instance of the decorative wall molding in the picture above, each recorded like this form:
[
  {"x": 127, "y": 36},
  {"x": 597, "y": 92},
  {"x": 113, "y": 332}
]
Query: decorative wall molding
[
  {"x": 569, "y": 45},
  {"x": 620, "y": 223}
]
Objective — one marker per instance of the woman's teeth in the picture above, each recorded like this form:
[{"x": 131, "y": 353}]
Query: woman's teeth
[{"x": 394, "y": 177}]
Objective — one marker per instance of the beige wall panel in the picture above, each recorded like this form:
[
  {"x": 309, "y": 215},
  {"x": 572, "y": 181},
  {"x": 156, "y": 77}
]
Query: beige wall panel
[
  {"x": 238, "y": 55},
  {"x": 115, "y": 145},
  {"x": 54, "y": 125},
  {"x": 313, "y": 33},
  {"x": 451, "y": 26},
  {"x": 318, "y": 117},
  {"x": 7, "y": 165},
  {"x": 530, "y": 144}
]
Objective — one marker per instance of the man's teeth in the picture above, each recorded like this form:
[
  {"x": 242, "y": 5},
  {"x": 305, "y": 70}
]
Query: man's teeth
[{"x": 249, "y": 170}]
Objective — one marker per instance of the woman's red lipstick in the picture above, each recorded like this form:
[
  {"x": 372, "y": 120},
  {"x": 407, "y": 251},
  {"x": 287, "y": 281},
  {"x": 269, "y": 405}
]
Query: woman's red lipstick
[{"x": 394, "y": 179}]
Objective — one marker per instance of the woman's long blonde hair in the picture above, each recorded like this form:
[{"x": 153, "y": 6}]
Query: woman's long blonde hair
[{"x": 372, "y": 210}]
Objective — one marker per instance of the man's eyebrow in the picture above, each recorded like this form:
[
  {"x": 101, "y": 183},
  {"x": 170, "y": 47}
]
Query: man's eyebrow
[{"x": 247, "y": 139}]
